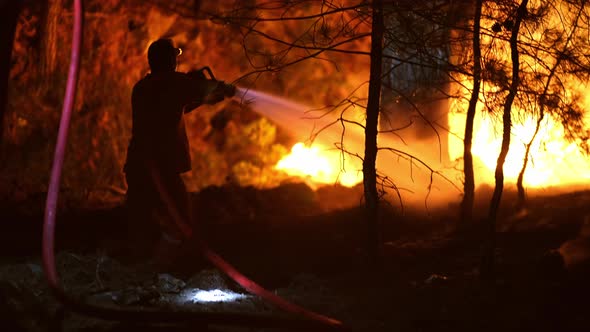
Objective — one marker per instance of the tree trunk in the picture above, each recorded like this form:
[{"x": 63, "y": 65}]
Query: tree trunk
[
  {"x": 469, "y": 184},
  {"x": 519, "y": 182},
  {"x": 373, "y": 105},
  {"x": 487, "y": 263},
  {"x": 9, "y": 11},
  {"x": 49, "y": 40}
]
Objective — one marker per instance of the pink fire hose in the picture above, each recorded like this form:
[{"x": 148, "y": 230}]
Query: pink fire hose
[{"x": 298, "y": 317}]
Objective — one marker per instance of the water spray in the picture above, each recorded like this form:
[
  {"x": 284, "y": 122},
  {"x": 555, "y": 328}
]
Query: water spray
[{"x": 299, "y": 318}]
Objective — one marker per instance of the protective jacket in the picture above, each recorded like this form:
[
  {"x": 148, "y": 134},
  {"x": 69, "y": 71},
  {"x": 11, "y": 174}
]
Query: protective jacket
[{"x": 158, "y": 135}]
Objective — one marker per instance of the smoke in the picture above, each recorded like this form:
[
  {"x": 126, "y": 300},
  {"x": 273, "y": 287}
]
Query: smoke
[{"x": 577, "y": 250}]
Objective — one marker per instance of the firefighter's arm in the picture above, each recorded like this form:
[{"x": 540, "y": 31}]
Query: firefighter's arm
[
  {"x": 206, "y": 91},
  {"x": 193, "y": 91},
  {"x": 196, "y": 90}
]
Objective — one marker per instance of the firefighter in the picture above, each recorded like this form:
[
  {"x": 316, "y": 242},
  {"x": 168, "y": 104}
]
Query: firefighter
[{"x": 158, "y": 151}]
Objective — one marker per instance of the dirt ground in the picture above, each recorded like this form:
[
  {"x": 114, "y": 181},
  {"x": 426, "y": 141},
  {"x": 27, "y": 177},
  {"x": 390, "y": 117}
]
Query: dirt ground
[{"x": 307, "y": 246}]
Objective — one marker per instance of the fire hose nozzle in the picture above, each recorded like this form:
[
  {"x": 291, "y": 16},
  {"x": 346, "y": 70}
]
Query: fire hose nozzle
[{"x": 229, "y": 90}]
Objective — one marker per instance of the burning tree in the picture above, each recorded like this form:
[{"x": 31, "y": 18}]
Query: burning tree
[
  {"x": 508, "y": 72},
  {"x": 550, "y": 49},
  {"x": 469, "y": 181},
  {"x": 487, "y": 261},
  {"x": 333, "y": 33},
  {"x": 559, "y": 54},
  {"x": 528, "y": 58},
  {"x": 334, "y": 28},
  {"x": 540, "y": 52}
]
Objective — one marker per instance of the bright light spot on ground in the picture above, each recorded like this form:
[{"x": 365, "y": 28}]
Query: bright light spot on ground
[{"x": 215, "y": 295}]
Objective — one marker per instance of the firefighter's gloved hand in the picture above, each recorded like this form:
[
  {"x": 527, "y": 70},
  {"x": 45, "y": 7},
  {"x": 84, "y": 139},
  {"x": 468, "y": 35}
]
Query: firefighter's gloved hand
[{"x": 217, "y": 95}]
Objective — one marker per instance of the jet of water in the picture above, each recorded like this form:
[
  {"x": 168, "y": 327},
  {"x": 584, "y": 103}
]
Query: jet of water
[{"x": 304, "y": 122}]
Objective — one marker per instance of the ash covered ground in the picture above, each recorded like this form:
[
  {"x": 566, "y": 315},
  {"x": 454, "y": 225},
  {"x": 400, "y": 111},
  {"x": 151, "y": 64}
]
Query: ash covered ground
[{"x": 307, "y": 246}]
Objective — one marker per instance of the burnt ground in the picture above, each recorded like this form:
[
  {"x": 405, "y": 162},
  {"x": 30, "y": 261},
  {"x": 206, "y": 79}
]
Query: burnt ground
[{"x": 308, "y": 247}]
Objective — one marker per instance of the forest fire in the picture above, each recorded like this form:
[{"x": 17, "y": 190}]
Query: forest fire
[
  {"x": 318, "y": 165},
  {"x": 274, "y": 173},
  {"x": 554, "y": 160},
  {"x": 319, "y": 162},
  {"x": 550, "y": 100}
]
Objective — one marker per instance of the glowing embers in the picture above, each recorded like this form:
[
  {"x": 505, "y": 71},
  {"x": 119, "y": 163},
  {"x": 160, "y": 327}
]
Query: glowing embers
[
  {"x": 214, "y": 295},
  {"x": 319, "y": 165}
]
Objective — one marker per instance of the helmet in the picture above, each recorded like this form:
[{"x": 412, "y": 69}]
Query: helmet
[{"x": 162, "y": 55}]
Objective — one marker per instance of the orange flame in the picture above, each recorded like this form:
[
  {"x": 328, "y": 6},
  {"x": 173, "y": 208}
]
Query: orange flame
[
  {"x": 319, "y": 165},
  {"x": 553, "y": 160}
]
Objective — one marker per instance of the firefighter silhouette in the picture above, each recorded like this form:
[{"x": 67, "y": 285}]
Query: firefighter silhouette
[{"x": 159, "y": 147}]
